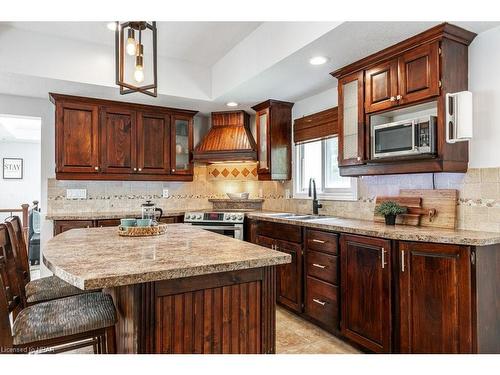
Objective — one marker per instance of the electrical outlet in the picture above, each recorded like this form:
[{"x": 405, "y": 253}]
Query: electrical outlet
[
  {"x": 287, "y": 193},
  {"x": 76, "y": 193},
  {"x": 165, "y": 193},
  {"x": 261, "y": 194}
]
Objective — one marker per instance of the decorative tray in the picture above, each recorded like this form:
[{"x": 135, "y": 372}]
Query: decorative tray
[{"x": 155, "y": 230}]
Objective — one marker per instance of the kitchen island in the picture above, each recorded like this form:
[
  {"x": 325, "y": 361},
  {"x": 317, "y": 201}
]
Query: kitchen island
[{"x": 188, "y": 291}]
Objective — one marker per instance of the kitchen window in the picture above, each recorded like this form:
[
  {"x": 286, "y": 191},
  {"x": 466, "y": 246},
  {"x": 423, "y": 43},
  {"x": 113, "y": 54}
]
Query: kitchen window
[{"x": 318, "y": 160}]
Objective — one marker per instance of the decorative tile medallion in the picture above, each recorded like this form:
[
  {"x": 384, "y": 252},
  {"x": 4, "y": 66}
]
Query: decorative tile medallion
[{"x": 232, "y": 171}]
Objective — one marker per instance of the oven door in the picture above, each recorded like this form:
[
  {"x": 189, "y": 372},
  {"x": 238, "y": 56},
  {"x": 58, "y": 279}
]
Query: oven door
[
  {"x": 230, "y": 230},
  {"x": 394, "y": 139}
]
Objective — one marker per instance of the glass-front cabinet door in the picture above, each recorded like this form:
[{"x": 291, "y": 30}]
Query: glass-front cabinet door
[
  {"x": 263, "y": 140},
  {"x": 182, "y": 145},
  {"x": 351, "y": 119}
]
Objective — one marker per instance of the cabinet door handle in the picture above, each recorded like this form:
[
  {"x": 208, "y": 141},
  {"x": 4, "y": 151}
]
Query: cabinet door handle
[
  {"x": 318, "y": 241},
  {"x": 402, "y": 261},
  {"x": 383, "y": 258},
  {"x": 140, "y": 169},
  {"x": 399, "y": 97},
  {"x": 358, "y": 158},
  {"x": 393, "y": 98},
  {"x": 135, "y": 169},
  {"x": 173, "y": 170},
  {"x": 96, "y": 168},
  {"x": 319, "y": 302},
  {"x": 319, "y": 265}
]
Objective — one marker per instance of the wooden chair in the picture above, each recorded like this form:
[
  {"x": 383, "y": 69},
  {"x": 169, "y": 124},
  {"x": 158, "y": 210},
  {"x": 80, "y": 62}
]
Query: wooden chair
[
  {"x": 34, "y": 291},
  {"x": 64, "y": 324}
]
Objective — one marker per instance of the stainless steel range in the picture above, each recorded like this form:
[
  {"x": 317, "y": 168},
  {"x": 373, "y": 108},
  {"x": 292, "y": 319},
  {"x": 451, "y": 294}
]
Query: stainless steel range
[{"x": 227, "y": 223}]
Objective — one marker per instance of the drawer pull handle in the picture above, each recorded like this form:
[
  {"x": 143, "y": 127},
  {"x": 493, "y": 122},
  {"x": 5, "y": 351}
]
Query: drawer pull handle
[
  {"x": 319, "y": 265},
  {"x": 318, "y": 241},
  {"x": 319, "y": 302}
]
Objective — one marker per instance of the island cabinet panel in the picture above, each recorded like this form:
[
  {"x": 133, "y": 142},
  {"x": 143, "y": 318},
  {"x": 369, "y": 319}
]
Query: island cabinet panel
[
  {"x": 153, "y": 143},
  {"x": 435, "y": 298},
  {"x": 225, "y": 313},
  {"x": 77, "y": 138},
  {"x": 118, "y": 140},
  {"x": 366, "y": 292}
]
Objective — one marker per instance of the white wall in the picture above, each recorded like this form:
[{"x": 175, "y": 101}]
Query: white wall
[
  {"x": 16, "y": 192},
  {"x": 316, "y": 103},
  {"x": 484, "y": 82}
]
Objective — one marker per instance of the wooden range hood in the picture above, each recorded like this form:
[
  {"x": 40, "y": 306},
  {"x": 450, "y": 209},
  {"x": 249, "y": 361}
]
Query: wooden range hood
[{"x": 229, "y": 139}]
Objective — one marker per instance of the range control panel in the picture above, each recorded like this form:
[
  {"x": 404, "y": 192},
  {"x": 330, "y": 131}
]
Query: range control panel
[{"x": 214, "y": 217}]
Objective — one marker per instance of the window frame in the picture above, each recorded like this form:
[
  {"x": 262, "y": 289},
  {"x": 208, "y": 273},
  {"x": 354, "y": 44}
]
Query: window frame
[{"x": 301, "y": 192}]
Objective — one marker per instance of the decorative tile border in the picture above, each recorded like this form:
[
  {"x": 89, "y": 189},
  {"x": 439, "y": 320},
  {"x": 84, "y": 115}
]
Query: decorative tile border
[{"x": 235, "y": 172}]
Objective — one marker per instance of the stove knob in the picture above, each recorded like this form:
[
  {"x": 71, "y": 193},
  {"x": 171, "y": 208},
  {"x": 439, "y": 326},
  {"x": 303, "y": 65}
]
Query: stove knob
[
  {"x": 188, "y": 217},
  {"x": 198, "y": 217},
  {"x": 233, "y": 217},
  {"x": 240, "y": 217}
]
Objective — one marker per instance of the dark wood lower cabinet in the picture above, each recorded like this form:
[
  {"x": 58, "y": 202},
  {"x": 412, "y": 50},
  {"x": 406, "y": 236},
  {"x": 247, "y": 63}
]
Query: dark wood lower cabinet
[
  {"x": 435, "y": 295},
  {"x": 366, "y": 292},
  {"x": 64, "y": 225}
]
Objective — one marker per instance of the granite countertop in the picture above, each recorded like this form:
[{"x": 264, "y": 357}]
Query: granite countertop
[
  {"x": 94, "y": 258},
  {"x": 397, "y": 232},
  {"x": 96, "y": 215}
]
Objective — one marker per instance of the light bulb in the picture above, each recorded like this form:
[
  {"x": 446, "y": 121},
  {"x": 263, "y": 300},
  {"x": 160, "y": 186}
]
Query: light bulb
[
  {"x": 139, "y": 74},
  {"x": 130, "y": 46}
]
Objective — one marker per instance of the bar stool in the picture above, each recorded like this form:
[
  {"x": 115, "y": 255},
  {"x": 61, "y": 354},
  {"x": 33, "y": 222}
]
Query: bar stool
[
  {"x": 40, "y": 290},
  {"x": 64, "y": 324}
]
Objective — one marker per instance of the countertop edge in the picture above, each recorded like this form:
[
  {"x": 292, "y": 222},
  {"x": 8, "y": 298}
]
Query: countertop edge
[{"x": 437, "y": 238}]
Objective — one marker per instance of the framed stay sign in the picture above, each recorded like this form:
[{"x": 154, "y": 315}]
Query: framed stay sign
[{"x": 12, "y": 168}]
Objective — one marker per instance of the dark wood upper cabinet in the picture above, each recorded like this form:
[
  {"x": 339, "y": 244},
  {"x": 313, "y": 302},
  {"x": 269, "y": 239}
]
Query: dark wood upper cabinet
[
  {"x": 100, "y": 139},
  {"x": 366, "y": 291},
  {"x": 182, "y": 145},
  {"x": 381, "y": 86},
  {"x": 77, "y": 138},
  {"x": 153, "y": 143},
  {"x": 418, "y": 70},
  {"x": 118, "y": 140},
  {"x": 435, "y": 298},
  {"x": 418, "y": 74},
  {"x": 351, "y": 120},
  {"x": 274, "y": 139}
]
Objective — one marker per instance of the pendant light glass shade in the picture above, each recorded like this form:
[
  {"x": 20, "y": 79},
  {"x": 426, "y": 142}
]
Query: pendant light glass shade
[{"x": 136, "y": 57}]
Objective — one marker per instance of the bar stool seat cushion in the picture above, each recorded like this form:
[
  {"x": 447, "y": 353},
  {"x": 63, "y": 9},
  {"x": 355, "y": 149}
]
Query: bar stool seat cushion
[
  {"x": 49, "y": 288},
  {"x": 64, "y": 317}
]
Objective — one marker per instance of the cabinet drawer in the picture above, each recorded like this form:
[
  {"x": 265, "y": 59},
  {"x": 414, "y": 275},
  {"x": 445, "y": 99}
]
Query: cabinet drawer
[
  {"x": 322, "y": 241},
  {"x": 322, "y": 266},
  {"x": 287, "y": 232},
  {"x": 108, "y": 223},
  {"x": 322, "y": 302}
]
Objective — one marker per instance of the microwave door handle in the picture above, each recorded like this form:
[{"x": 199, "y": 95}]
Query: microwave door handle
[{"x": 413, "y": 127}]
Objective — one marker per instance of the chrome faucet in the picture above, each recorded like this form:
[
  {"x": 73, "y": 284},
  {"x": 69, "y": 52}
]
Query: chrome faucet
[{"x": 312, "y": 193}]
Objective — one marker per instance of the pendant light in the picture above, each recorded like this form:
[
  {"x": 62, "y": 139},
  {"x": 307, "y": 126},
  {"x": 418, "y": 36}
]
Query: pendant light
[{"x": 129, "y": 49}]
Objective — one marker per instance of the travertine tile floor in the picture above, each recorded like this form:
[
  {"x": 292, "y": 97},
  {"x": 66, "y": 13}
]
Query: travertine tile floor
[{"x": 295, "y": 335}]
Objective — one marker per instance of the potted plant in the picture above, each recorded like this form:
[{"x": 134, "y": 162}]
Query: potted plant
[{"x": 390, "y": 210}]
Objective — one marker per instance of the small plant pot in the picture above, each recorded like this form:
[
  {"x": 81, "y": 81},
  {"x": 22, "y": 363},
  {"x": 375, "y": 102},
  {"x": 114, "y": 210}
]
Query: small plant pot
[{"x": 390, "y": 219}]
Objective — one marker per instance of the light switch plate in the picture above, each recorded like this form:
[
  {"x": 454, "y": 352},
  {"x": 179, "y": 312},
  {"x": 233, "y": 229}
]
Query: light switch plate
[
  {"x": 261, "y": 194},
  {"x": 76, "y": 193},
  {"x": 165, "y": 193},
  {"x": 287, "y": 193}
]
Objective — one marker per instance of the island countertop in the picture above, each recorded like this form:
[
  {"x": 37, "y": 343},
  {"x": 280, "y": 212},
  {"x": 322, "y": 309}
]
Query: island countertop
[{"x": 94, "y": 258}]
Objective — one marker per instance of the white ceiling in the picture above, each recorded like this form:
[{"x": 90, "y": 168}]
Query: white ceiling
[
  {"x": 199, "y": 42},
  {"x": 20, "y": 129},
  {"x": 290, "y": 77}
]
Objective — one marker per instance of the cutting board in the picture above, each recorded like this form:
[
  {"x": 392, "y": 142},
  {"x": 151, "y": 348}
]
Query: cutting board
[
  {"x": 409, "y": 202},
  {"x": 444, "y": 201}
]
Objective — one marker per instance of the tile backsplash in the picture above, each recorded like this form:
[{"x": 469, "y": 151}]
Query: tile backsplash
[{"x": 478, "y": 205}]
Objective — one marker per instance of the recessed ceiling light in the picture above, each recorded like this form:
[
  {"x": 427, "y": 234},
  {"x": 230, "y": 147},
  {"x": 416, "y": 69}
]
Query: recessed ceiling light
[
  {"x": 111, "y": 26},
  {"x": 232, "y": 104},
  {"x": 318, "y": 60}
]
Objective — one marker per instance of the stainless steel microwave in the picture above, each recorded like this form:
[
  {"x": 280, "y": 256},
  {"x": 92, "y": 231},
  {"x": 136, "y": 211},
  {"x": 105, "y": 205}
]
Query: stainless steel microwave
[{"x": 407, "y": 137}]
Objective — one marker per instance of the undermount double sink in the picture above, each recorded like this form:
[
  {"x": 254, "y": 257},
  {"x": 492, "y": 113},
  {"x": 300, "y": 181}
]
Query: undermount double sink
[{"x": 290, "y": 216}]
